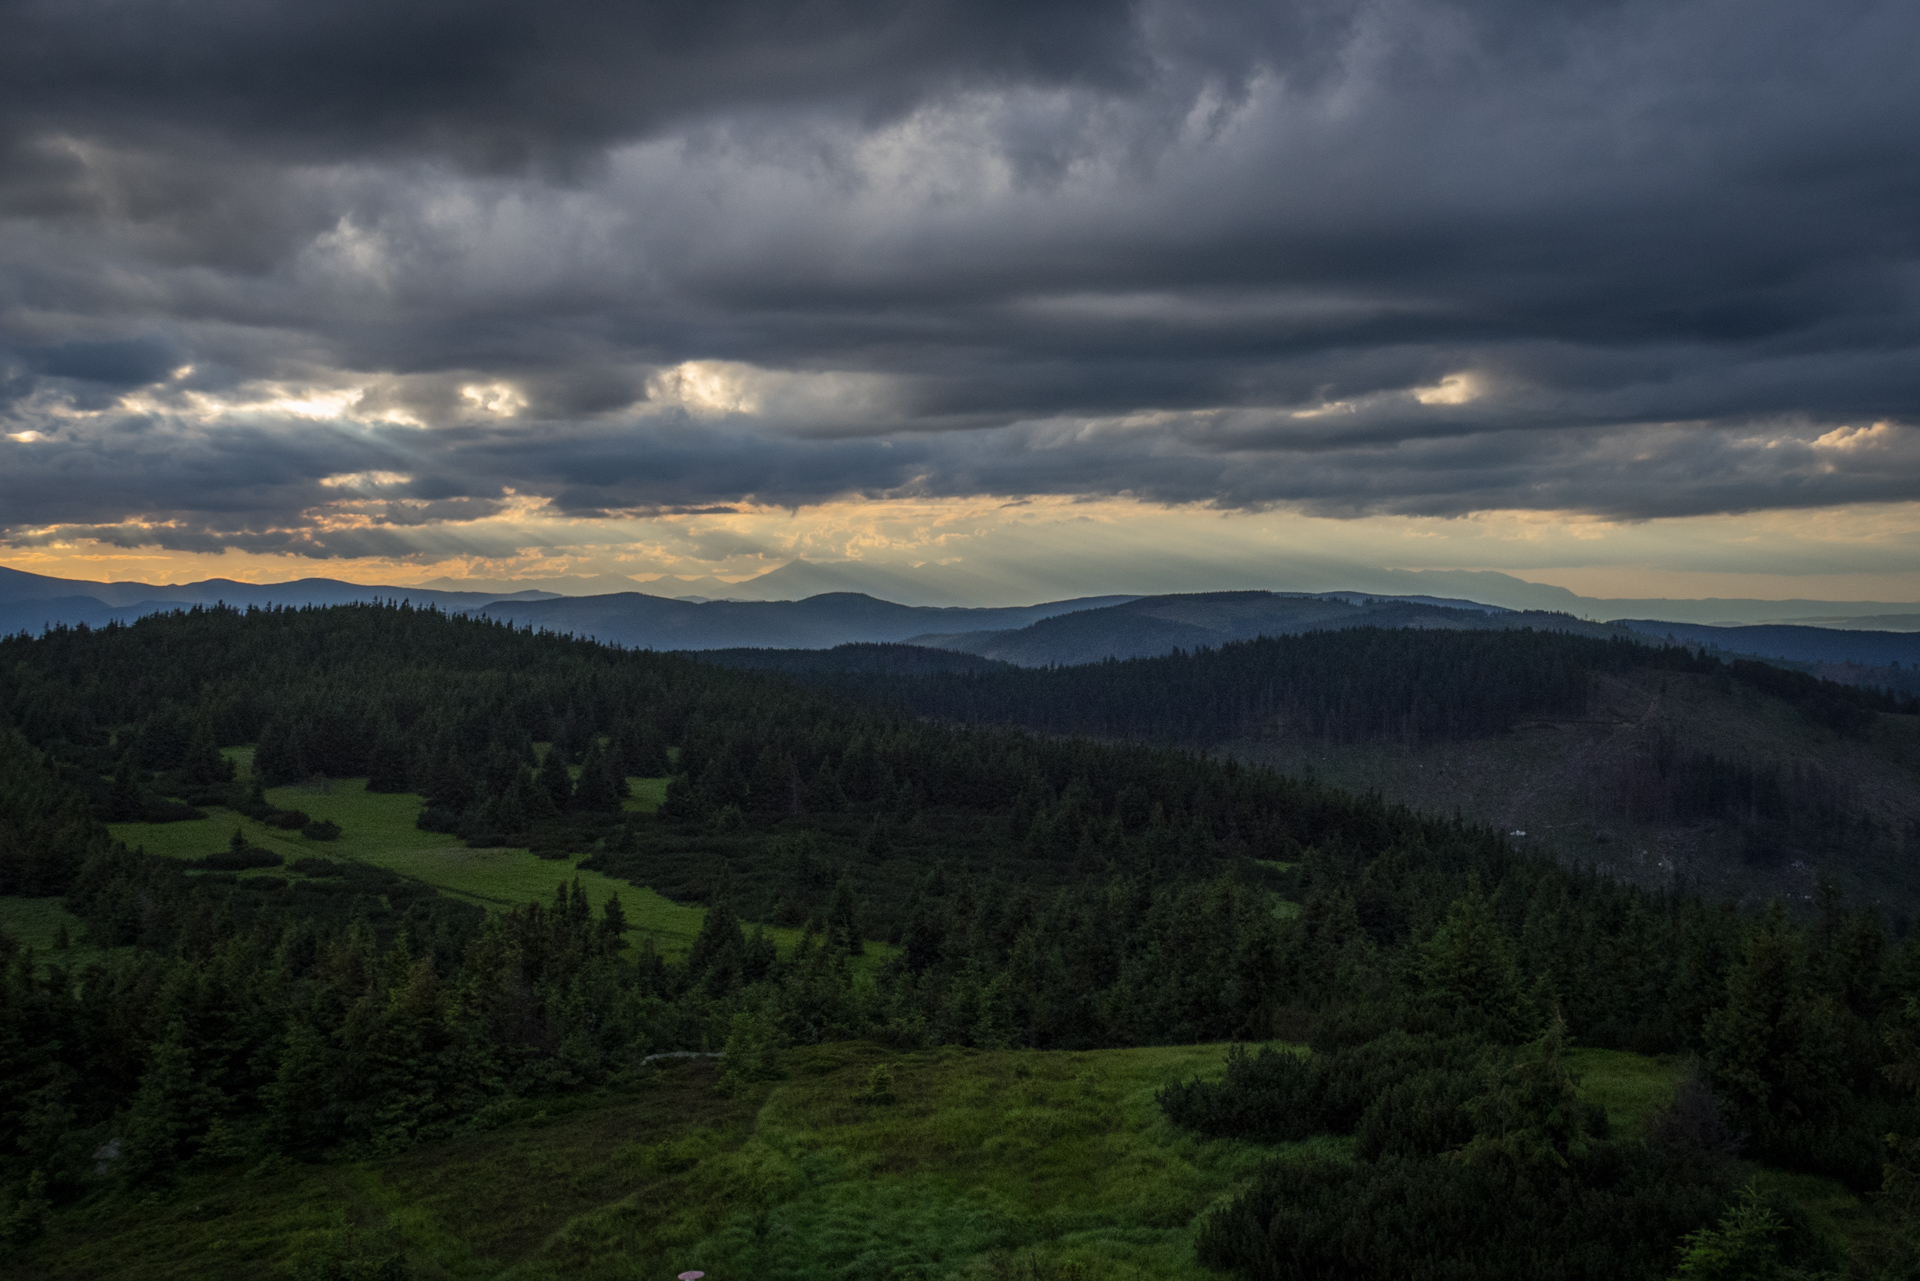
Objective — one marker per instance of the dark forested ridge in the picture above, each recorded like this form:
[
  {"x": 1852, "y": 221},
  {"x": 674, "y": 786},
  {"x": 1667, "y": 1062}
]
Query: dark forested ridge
[
  {"x": 1737, "y": 773},
  {"x": 1352, "y": 684},
  {"x": 1050, "y": 891}
]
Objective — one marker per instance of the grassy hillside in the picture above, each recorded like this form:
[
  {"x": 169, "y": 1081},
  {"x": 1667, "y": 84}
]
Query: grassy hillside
[
  {"x": 378, "y": 828},
  {"x": 1014, "y": 1164}
]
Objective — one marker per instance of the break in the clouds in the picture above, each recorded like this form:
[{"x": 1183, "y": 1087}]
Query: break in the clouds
[{"x": 360, "y": 279}]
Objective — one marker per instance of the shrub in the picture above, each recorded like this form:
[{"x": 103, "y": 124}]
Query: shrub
[
  {"x": 1421, "y": 1116},
  {"x": 288, "y": 819},
  {"x": 313, "y": 865},
  {"x": 239, "y": 860},
  {"x": 158, "y": 809},
  {"x": 1278, "y": 1096},
  {"x": 434, "y": 818},
  {"x": 324, "y": 829},
  {"x": 1618, "y": 1212}
]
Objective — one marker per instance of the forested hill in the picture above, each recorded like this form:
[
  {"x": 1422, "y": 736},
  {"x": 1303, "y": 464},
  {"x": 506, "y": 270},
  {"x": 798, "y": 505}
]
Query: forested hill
[
  {"x": 1155, "y": 625},
  {"x": 1358, "y": 684},
  {"x": 1884, "y": 649},
  {"x": 1045, "y": 892},
  {"x": 1659, "y": 763}
]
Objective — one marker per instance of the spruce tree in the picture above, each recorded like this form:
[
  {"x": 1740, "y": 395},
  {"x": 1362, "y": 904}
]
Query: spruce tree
[
  {"x": 1773, "y": 1045},
  {"x": 124, "y": 801},
  {"x": 843, "y": 919},
  {"x": 598, "y": 792},
  {"x": 1469, "y": 969},
  {"x": 720, "y": 945},
  {"x": 387, "y": 762},
  {"x": 554, "y": 780},
  {"x": 171, "y": 1108},
  {"x": 204, "y": 765},
  {"x": 613, "y": 923}
]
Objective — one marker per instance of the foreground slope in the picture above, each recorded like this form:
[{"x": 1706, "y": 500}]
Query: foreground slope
[
  {"x": 1048, "y": 894},
  {"x": 1001, "y": 1164}
]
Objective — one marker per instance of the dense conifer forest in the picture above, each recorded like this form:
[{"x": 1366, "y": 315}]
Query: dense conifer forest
[
  {"x": 1415, "y": 693},
  {"x": 1417, "y": 981}
]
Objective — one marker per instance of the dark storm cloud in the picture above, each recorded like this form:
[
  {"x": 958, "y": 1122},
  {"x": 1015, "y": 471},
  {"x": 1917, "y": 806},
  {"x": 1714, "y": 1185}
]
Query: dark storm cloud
[
  {"x": 498, "y": 82},
  {"x": 1630, "y": 258}
]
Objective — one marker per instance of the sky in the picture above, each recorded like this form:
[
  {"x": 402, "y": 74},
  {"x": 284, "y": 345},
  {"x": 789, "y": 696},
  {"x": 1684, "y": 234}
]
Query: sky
[{"x": 1619, "y": 296}]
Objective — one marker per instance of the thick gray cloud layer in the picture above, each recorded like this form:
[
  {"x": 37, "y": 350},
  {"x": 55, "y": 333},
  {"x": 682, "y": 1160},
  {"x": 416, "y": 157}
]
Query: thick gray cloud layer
[{"x": 340, "y": 278}]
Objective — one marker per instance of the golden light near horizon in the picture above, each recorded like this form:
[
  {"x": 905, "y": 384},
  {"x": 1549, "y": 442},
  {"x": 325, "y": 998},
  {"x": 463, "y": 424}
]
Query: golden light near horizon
[{"x": 996, "y": 544}]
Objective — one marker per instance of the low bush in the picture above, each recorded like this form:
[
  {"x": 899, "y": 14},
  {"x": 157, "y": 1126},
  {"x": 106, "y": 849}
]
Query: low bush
[
  {"x": 324, "y": 829},
  {"x": 1618, "y": 1212},
  {"x": 1278, "y": 1096},
  {"x": 239, "y": 860},
  {"x": 158, "y": 809},
  {"x": 433, "y": 818}
]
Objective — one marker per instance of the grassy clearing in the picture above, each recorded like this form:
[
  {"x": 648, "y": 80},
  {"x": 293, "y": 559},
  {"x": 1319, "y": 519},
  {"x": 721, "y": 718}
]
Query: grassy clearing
[
  {"x": 646, "y": 795},
  {"x": 37, "y": 922},
  {"x": 1058, "y": 1156},
  {"x": 378, "y": 828},
  {"x": 1631, "y": 1087}
]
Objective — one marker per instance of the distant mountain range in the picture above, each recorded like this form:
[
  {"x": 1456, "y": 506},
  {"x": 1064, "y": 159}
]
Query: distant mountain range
[
  {"x": 1154, "y": 625},
  {"x": 1078, "y": 630},
  {"x": 796, "y": 580},
  {"x": 32, "y": 602},
  {"x": 951, "y": 586},
  {"x": 819, "y": 622},
  {"x": 1876, "y": 648}
]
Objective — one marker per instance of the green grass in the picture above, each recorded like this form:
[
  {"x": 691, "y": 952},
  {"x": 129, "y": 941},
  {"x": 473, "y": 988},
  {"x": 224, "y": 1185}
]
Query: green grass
[
  {"x": 37, "y": 922},
  {"x": 646, "y": 795},
  {"x": 985, "y": 1165},
  {"x": 1835, "y": 1212},
  {"x": 1631, "y": 1087},
  {"x": 1049, "y": 1156},
  {"x": 378, "y": 828}
]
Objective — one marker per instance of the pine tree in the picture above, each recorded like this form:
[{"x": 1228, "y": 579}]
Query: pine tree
[
  {"x": 720, "y": 945},
  {"x": 387, "y": 762},
  {"x": 554, "y": 780},
  {"x": 843, "y": 919},
  {"x": 124, "y": 801},
  {"x": 1743, "y": 1246},
  {"x": 1532, "y": 1111},
  {"x": 613, "y": 923},
  {"x": 1772, "y": 1046},
  {"x": 171, "y": 1108},
  {"x": 204, "y": 766},
  {"x": 302, "y": 1115},
  {"x": 598, "y": 791},
  {"x": 1469, "y": 968}
]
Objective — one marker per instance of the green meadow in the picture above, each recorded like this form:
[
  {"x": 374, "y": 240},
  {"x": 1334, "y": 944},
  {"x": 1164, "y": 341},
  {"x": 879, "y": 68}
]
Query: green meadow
[
  {"x": 1629, "y": 1086},
  {"x": 1014, "y": 1164},
  {"x": 37, "y": 922},
  {"x": 378, "y": 828}
]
